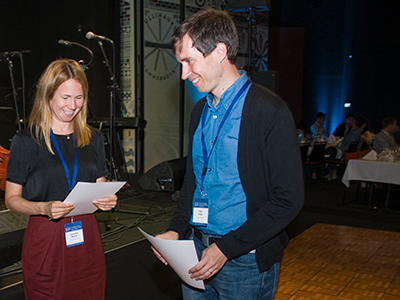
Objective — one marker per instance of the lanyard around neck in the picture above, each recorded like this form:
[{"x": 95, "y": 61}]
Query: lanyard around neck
[
  {"x": 71, "y": 184},
  {"x": 206, "y": 156}
]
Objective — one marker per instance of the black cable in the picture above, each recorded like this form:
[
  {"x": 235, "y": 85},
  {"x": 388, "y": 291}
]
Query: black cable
[{"x": 121, "y": 229}]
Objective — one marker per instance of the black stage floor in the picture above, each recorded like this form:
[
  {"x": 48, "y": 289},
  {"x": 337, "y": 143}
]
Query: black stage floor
[{"x": 133, "y": 272}]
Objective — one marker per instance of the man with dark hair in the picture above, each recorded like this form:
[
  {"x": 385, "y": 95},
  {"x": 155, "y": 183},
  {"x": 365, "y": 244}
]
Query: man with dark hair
[
  {"x": 384, "y": 139},
  {"x": 318, "y": 127},
  {"x": 243, "y": 183},
  {"x": 205, "y": 37},
  {"x": 343, "y": 128}
]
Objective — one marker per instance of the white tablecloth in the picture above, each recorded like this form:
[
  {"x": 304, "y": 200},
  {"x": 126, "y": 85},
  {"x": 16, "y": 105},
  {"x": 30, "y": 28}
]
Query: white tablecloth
[{"x": 372, "y": 170}]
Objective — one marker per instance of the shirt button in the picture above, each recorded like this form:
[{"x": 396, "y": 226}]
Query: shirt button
[
  {"x": 215, "y": 116},
  {"x": 209, "y": 170},
  {"x": 226, "y": 105}
]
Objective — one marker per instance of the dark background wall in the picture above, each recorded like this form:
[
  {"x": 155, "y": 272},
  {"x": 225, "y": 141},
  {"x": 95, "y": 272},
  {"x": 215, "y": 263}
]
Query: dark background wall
[
  {"x": 334, "y": 30},
  {"x": 286, "y": 55},
  {"x": 37, "y": 26}
]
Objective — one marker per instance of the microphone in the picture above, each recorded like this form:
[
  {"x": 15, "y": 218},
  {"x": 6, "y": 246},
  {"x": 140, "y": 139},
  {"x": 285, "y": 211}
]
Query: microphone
[
  {"x": 6, "y": 55},
  {"x": 64, "y": 42},
  {"x": 90, "y": 35},
  {"x": 82, "y": 63}
]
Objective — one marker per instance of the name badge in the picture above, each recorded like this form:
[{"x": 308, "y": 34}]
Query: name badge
[
  {"x": 73, "y": 234},
  {"x": 200, "y": 212}
]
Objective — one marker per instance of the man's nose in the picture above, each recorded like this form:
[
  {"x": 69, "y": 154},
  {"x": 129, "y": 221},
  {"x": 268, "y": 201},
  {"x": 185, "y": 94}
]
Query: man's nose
[{"x": 185, "y": 71}]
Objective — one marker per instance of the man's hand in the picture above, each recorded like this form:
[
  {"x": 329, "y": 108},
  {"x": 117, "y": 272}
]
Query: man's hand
[
  {"x": 211, "y": 262},
  {"x": 169, "y": 235}
]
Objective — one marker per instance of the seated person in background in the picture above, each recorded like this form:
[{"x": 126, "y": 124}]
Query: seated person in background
[
  {"x": 366, "y": 135},
  {"x": 339, "y": 151},
  {"x": 385, "y": 139},
  {"x": 318, "y": 127},
  {"x": 345, "y": 127},
  {"x": 396, "y": 135}
]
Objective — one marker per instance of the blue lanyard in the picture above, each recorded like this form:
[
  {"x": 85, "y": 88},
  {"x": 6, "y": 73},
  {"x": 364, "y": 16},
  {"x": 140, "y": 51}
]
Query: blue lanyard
[
  {"x": 71, "y": 184},
  {"x": 206, "y": 156}
]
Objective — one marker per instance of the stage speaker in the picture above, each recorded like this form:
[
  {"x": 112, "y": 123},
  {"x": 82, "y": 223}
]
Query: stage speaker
[
  {"x": 166, "y": 176},
  {"x": 239, "y": 4},
  {"x": 12, "y": 228},
  {"x": 268, "y": 79}
]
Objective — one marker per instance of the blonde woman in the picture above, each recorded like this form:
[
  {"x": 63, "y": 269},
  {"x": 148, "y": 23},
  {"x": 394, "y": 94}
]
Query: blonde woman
[{"x": 46, "y": 161}]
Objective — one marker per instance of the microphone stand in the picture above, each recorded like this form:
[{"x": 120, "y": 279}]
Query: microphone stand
[
  {"x": 113, "y": 87},
  {"x": 10, "y": 68},
  {"x": 251, "y": 19},
  {"x": 81, "y": 62},
  {"x": 112, "y": 132},
  {"x": 111, "y": 137}
]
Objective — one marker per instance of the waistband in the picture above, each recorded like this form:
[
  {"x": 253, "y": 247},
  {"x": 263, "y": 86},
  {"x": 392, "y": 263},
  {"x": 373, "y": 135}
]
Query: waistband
[{"x": 206, "y": 239}]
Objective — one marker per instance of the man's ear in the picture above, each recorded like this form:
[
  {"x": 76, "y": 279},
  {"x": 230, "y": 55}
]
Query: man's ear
[{"x": 221, "y": 51}]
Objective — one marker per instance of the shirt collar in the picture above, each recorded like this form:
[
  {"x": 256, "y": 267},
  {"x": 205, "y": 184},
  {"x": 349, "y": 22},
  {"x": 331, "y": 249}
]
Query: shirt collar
[{"x": 229, "y": 94}]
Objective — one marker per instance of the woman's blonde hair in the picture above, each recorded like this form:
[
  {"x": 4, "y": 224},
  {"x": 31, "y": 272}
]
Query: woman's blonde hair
[{"x": 40, "y": 120}]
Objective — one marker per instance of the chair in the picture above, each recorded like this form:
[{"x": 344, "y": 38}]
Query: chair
[
  {"x": 364, "y": 146},
  {"x": 303, "y": 151},
  {"x": 356, "y": 155},
  {"x": 339, "y": 163},
  {"x": 4, "y": 154},
  {"x": 353, "y": 147},
  {"x": 352, "y": 152},
  {"x": 335, "y": 161},
  {"x": 317, "y": 155}
]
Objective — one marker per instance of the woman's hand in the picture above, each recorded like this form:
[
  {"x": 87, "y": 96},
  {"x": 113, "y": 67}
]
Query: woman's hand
[
  {"x": 57, "y": 209},
  {"x": 106, "y": 204},
  {"x": 15, "y": 202}
]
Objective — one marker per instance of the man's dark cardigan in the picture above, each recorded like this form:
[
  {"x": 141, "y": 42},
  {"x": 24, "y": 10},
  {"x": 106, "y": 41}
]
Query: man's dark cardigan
[{"x": 271, "y": 174}]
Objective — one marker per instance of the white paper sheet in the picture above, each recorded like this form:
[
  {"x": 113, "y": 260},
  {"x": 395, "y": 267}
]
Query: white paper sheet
[
  {"x": 180, "y": 255},
  {"x": 84, "y": 193}
]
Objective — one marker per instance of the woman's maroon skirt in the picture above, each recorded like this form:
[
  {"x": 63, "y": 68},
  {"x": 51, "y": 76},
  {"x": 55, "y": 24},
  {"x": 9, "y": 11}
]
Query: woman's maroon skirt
[{"x": 51, "y": 270}]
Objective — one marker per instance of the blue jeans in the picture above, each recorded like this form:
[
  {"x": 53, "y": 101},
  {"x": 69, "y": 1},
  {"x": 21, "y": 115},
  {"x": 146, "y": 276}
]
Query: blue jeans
[{"x": 238, "y": 279}]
